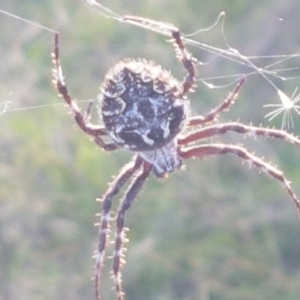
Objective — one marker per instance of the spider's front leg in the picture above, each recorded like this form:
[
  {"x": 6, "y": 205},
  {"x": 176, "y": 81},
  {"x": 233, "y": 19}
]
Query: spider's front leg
[
  {"x": 124, "y": 175},
  {"x": 216, "y": 149},
  {"x": 82, "y": 120},
  {"x": 126, "y": 202}
]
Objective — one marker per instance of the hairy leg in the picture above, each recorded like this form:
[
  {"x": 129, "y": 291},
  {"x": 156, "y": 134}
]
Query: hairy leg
[
  {"x": 216, "y": 149},
  {"x": 82, "y": 120},
  {"x": 250, "y": 131},
  {"x": 229, "y": 100},
  {"x": 182, "y": 54},
  {"x": 124, "y": 175},
  {"x": 130, "y": 194}
]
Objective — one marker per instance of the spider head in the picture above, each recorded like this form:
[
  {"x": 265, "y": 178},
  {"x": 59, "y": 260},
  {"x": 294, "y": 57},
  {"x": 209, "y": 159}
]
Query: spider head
[
  {"x": 164, "y": 160},
  {"x": 140, "y": 106}
]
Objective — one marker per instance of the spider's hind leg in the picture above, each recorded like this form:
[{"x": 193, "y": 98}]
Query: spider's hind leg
[
  {"x": 187, "y": 60},
  {"x": 183, "y": 55},
  {"x": 213, "y": 114},
  {"x": 82, "y": 120}
]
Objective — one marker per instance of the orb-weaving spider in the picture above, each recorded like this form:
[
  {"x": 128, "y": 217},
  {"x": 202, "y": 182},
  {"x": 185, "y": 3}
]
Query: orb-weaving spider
[{"x": 144, "y": 110}]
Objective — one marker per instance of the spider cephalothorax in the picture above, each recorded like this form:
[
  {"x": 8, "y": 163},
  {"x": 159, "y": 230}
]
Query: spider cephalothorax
[{"x": 144, "y": 109}]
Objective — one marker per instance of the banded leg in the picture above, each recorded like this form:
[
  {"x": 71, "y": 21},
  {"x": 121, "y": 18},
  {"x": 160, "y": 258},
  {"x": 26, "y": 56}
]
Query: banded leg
[
  {"x": 213, "y": 149},
  {"x": 118, "y": 255},
  {"x": 82, "y": 120},
  {"x": 251, "y": 131},
  {"x": 127, "y": 171},
  {"x": 198, "y": 120},
  {"x": 187, "y": 60},
  {"x": 182, "y": 54}
]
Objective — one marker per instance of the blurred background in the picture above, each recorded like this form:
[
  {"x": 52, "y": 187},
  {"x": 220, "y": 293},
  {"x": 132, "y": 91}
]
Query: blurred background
[{"x": 216, "y": 231}]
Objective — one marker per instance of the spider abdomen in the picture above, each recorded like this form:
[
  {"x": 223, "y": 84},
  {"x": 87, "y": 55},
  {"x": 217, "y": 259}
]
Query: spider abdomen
[{"x": 140, "y": 105}]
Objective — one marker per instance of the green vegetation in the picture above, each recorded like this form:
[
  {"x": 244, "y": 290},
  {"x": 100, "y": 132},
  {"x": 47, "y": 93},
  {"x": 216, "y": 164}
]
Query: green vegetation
[{"x": 216, "y": 231}]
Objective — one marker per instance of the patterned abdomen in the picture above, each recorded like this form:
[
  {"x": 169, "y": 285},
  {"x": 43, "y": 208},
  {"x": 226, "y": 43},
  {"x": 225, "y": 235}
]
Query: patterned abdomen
[{"x": 140, "y": 105}]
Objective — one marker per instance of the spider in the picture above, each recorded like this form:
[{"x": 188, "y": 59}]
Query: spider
[{"x": 144, "y": 109}]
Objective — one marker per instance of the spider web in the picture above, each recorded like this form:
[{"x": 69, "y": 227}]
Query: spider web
[
  {"x": 271, "y": 78},
  {"x": 280, "y": 72}
]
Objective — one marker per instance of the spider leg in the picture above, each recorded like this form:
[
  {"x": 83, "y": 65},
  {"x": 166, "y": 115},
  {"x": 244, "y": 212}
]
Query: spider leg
[
  {"x": 187, "y": 60},
  {"x": 127, "y": 171},
  {"x": 93, "y": 130},
  {"x": 183, "y": 55},
  {"x": 88, "y": 110},
  {"x": 198, "y": 120},
  {"x": 213, "y": 149},
  {"x": 218, "y": 129},
  {"x": 130, "y": 194}
]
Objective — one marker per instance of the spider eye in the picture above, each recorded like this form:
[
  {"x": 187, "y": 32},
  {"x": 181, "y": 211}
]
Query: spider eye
[{"x": 140, "y": 106}]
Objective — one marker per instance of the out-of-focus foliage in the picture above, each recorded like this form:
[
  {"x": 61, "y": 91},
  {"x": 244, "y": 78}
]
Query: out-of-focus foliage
[{"x": 216, "y": 231}]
